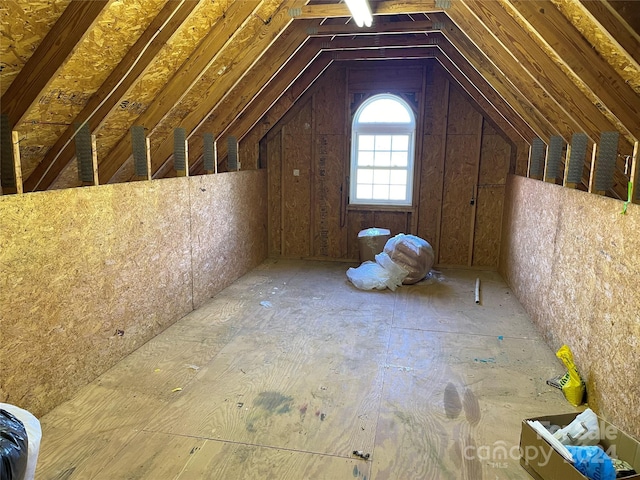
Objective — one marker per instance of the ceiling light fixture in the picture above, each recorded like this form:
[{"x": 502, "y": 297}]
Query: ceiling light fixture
[{"x": 360, "y": 12}]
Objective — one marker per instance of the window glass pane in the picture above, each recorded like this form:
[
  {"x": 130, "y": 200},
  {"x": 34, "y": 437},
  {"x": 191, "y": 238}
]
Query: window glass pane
[
  {"x": 400, "y": 142},
  {"x": 397, "y": 192},
  {"x": 381, "y": 177},
  {"x": 385, "y": 110},
  {"x": 399, "y": 159},
  {"x": 383, "y": 142},
  {"x": 382, "y": 159},
  {"x": 365, "y": 159},
  {"x": 365, "y": 175},
  {"x": 365, "y": 142},
  {"x": 398, "y": 177},
  {"x": 381, "y": 192},
  {"x": 364, "y": 192}
]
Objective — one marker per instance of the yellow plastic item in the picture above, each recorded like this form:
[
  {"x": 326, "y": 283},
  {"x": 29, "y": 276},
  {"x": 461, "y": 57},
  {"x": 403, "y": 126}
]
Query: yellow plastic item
[{"x": 572, "y": 385}]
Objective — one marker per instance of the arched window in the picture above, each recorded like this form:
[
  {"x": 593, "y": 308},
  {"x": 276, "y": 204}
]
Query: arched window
[{"x": 382, "y": 145}]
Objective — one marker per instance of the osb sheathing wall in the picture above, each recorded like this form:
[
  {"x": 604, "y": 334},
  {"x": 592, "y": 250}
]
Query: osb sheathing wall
[
  {"x": 87, "y": 275},
  {"x": 462, "y": 163},
  {"x": 574, "y": 263}
]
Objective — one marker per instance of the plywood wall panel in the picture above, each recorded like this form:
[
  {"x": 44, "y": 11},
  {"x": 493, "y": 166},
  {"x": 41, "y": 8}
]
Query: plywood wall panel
[
  {"x": 87, "y": 275},
  {"x": 463, "y": 117},
  {"x": 382, "y": 77},
  {"x": 495, "y": 156},
  {"x": 329, "y": 117},
  {"x": 274, "y": 173},
  {"x": 228, "y": 229},
  {"x": 78, "y": 266},
  {"x": 296, "y": 202},
  {"x": 486, "y": 244},
  {"x": 574, "y": 262},
  {"x": 451, "y": 144},
  {"x": 459, "y": 181},
  {"x": 431, "y": 192},
  {"x": 329, "y": 190}
]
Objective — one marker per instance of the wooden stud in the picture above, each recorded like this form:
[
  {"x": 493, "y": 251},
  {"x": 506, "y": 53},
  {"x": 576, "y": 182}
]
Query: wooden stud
[
  {"x": 567, "y": 158},
  {"x": 17, "y": 168},
  {"x": 94, "y": 159},
  {"x": 592, "y": 173},
  {"x": 635, "y": 175}
]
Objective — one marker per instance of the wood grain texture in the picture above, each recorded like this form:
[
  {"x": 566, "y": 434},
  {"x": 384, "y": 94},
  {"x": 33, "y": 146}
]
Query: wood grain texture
[
  {"x": 112, "y": 91},
  {"x": 63, "y": 38},
  {"x": 82, "y": 74},
  {"x": 93, "y": 273},
  {"x": 296, "y": 207},
  {"x": 274, "y": 174},
  {"x": 99, "y": 260},
  {"x": 290, "y": 391},
  {"x": 459, "y": 180},
  {"x": 24, "y": 26},
  {"x": 572, "y": 260},
  {"x": 228, "y": 229}
]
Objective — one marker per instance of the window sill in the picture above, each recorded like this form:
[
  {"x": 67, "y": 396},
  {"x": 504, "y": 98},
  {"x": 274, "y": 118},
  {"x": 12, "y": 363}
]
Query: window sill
[{"x": 355, "y": 207}]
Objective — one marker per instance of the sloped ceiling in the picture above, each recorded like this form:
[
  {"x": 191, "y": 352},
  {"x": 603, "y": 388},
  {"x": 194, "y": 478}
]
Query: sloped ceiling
[{"x": 537, "y": 68}]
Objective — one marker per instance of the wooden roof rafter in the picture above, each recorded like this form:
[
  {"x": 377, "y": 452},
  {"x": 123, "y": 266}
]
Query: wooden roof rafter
[
  {"x": 113, "y": 90},
  {"x": 238, "y": 63},
  {"x": 183, "y": 81},
  {"x": 51, "y": 54},
  {"x": 587, "y": 69}
]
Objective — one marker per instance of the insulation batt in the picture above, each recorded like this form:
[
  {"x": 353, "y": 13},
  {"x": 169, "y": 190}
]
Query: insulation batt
[{"x": 412, "y": 253}]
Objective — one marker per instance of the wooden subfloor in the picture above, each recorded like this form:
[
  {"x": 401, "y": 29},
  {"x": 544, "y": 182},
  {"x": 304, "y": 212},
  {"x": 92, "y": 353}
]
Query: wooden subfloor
[{"x": 428, "y": 383}]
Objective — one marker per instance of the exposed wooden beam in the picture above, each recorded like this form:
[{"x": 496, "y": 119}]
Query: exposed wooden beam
[
  {"x": 111, "y": 92},
  {"x": 537, "y": 63},
  {"x": 577, "y": 55},
  {"x": 550, "y": 118},
  {"x": 476, "y": 93},
  {"x": 383, "y": 41},
  {"x": 50, "y": 55},
  {"x": 293, "y": 80},
  {"x": 582, "y": 114},
  {"x": 241, "y": 62},
  {"x": 333, "y": 10},
  {"x": 496, "y": 77},
  {"x": 377, "y": 29},
  {"x": 615, "y": 26},
  {"x": 210, "y": 48}
]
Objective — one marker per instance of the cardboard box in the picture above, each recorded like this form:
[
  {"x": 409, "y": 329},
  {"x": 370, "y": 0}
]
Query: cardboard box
[{"x": 542, "y": 462}]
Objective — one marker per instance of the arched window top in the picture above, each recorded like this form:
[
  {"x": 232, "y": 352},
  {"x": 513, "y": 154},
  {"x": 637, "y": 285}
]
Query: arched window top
[
  {"x": 382, "y": 151},
  {"x": 384, "y": 108}
]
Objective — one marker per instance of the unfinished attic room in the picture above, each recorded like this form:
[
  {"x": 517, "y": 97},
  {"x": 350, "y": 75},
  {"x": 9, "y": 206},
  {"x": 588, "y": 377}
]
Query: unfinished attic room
[{"x": 325, "y": 239}]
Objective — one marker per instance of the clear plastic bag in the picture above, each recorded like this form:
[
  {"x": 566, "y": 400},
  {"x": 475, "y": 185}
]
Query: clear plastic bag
[
  {"x": 412, "y": 253},
  {"x": 378, "y": 275}
]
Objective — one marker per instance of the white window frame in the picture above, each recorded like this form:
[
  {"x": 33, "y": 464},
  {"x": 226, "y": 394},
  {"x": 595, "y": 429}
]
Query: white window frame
[{"x": 358, "y": 128}]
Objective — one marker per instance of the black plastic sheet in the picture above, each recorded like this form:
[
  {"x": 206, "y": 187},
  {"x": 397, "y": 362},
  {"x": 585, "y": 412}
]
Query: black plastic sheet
[{"x": 14, "y": 447}]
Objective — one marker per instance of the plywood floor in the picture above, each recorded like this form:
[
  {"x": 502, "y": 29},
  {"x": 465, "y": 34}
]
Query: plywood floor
[{"x": 428, "y": 383}]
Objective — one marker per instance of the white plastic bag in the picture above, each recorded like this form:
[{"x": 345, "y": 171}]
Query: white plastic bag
[{"x": 378, "y": 275}]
